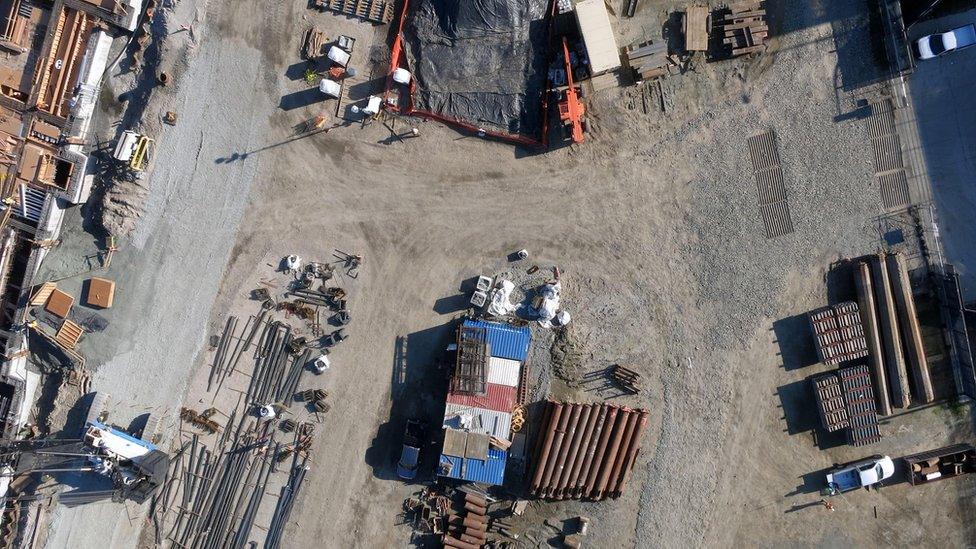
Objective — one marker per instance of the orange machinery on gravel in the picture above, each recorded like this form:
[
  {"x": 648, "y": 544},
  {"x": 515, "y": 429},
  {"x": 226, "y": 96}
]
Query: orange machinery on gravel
[{"x": 571, "y": 109}]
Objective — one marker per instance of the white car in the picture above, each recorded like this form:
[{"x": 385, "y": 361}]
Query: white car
[
  {"x": 934, "y": 45},
  {"x": 860, "y": 474}
]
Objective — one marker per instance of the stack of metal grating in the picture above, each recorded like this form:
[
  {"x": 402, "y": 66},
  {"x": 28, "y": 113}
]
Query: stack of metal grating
[
  {"x": 838, "y": 333},
  {"x": 585, "y": 450},
  {"x": 845, "y": 400}
]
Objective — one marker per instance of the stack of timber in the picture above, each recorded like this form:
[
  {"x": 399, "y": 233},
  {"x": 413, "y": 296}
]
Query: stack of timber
[
  {"x": 315, "y": 41},
  {"x": 892, "y": 332},
  {"x": 649, "y": 59},
  {"x": 838, "y": 333},
  {"x": 697, "y": 27},
  {"x": 745, "y": 28},
  {"x": 374, "y": 11},
  {"x": 586, "y": 450}
]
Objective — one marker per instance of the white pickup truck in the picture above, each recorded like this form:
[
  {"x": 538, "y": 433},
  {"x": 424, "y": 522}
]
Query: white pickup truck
[
  {"x": 860, "y": 474},
  {"x": 934, "y": 45}
]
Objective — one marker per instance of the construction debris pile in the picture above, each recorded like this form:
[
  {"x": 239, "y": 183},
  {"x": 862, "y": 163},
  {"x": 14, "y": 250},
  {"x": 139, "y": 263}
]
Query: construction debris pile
[
  {"x": 219, "y": 482},
  {"x": 744, "y": 28},
  {"x": 464, "y": 518},
  {"x": 586, "y": 451},
  {"x": 235, "y": 472}
]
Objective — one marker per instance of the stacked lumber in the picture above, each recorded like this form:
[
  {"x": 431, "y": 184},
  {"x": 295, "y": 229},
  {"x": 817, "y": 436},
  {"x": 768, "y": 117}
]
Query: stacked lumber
[
  {"x": 649, "y": 59},
  {"x": 315, "y": 41},
  {"x": 375, "y": 11},
  {"x": 586, "y": 450},
  {"x": 745, "y": 28}
]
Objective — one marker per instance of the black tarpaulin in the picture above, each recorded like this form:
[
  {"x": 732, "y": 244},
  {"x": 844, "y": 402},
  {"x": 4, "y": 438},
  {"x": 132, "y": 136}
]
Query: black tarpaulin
[{"x": 479, "y": 60}]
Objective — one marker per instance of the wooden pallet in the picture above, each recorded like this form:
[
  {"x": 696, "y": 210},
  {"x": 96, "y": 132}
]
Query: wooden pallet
[
  {"x": 375, "y": 11},
  {"x": 69, "y": 334},
  {"x": 744, "y": 28},
  {"x": 649, "y": 59}
]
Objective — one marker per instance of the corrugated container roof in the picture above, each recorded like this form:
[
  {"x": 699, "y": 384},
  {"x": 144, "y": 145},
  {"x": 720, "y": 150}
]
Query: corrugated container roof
[
  {"x": 490, "y": 471},
  {"x": 601, "y": 45},
  {"x": 496, "y": 424},
  {"x": 505, "y": 341},
  {"x": 502, "y": 371},
  {"x": 500, "y": 398}
]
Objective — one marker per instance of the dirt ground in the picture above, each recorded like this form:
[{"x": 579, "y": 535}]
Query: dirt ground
[{"x": 653, "y": 222}]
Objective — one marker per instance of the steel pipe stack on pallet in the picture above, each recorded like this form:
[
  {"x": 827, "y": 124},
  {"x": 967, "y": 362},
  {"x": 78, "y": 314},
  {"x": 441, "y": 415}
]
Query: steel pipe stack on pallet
[
  {"x": 586, "y": 450},
  {"x": 838, "y": 333},
  {"x": 845, "y": 400}
]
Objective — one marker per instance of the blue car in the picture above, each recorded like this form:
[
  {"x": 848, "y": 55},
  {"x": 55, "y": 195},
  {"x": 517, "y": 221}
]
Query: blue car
[{"x": 410, "y": 455}]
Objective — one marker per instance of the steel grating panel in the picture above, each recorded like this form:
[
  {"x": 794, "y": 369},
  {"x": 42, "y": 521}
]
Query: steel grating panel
[
  {"x": 771, "y": 189},
  {"x": 776, "y": 219},
  {"x": 894, "y": 188},
  {"x": 889, "y": 164}
]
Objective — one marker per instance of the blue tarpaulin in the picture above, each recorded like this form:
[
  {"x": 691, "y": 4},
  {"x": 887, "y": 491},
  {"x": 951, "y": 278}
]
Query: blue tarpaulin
[
  {"x": 511, "y": 342},
  {"x": 490, "y": 471}
]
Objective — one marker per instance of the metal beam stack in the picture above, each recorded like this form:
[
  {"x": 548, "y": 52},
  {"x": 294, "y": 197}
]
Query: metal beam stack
[
  {"x": 893, "y": 332},
  {"x": 586, "y": 450}
]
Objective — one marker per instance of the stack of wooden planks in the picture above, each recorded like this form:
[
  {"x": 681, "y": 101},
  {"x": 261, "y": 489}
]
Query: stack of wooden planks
[
  {"x": 649, "y": 59},
  {"x": 697, "y": 28},
  {"x": 745, "y": 28},
  {"x": 376, "y": 11},
  {"x": 315, "y": 41}
]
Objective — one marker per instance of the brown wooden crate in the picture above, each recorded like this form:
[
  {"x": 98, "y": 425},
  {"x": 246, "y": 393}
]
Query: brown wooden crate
[{"x": 59, "y": 303}]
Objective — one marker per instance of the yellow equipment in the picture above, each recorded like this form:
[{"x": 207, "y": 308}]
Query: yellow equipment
[{"x": 135, "y": 150}]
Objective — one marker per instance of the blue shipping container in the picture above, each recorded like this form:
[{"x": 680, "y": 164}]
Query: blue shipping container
[
  {"x": 490, "y": 471},
  {"x": 506, "y": 341}
]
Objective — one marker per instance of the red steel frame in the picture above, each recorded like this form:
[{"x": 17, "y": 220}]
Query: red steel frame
[{"x": 396, "y": 53}]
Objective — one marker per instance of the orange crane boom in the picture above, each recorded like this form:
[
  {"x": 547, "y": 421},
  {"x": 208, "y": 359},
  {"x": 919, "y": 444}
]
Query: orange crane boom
[{"x": 571, "y": 109}]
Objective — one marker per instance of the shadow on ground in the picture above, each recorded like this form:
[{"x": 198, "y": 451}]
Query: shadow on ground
[{"x": 420, "y": 368}]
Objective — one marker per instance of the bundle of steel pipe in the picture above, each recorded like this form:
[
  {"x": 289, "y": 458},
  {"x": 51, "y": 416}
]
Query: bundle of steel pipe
[{"x": 585, "y": 450}]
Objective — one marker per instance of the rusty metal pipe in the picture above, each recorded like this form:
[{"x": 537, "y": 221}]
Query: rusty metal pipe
[
  {"x": 469, "y": 522},
  {"x": 601, "y": 449},
  {"x": 540, "y": 431},
  {"x": 607, "y": 464},
  {"x": 625, "y": 443},
  {"x": 591, "y": 445},
  {"x": 573, "y": 453},
  {"x": 475, "y": 509},
  {"x": 890, "y": 336},
  {"x": 584, "y": 441},
  {"x": 631, "y": 454},
  {"x": 557, "y": 443},
  {"x": 471, "y": 539},
  {"x": 567, "y": 444},
  {"x": 540, "y": 466},
  {"x": 475, "y": 533},
  {"x": 450, "y": 541},
  {"x": 476, "y": 500}
]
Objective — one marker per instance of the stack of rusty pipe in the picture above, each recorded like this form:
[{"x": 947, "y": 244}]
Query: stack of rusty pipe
[
  {"x": 585, "y": 451},
  {"x": 469, "y": 530}
]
